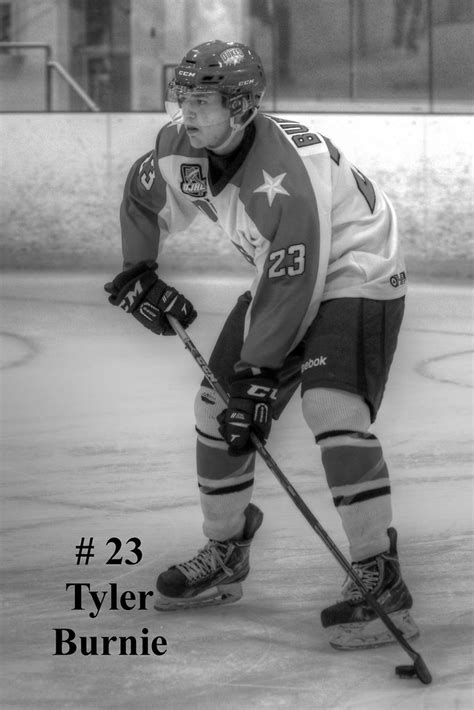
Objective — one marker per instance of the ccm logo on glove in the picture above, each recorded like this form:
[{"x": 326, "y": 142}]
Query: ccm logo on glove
[
  {"x": 249, "y": 410},
  {"x": 261, "y": 391},
  {"x": 131, "y": 298},
  {"x": 150, "y": 300}
]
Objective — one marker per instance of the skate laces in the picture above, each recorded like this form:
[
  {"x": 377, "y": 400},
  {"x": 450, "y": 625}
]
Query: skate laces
[
  {"x": 369, "y": 574},
  {"x": 206, "y": 562}
]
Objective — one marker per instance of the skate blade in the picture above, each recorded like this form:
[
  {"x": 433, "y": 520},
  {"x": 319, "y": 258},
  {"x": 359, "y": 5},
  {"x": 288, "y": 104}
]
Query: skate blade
[
  {"x": 371, "y": 634},
  {"x": 217, "y": 596}
]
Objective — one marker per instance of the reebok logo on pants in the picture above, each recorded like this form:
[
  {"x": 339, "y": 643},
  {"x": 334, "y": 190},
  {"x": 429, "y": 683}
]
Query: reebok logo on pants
[{"x": 314, "y": 362}]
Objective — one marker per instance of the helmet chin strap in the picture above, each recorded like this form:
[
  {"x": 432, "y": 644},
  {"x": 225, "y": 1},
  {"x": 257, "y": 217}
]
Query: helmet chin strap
[{"x": 234, "y": 129}]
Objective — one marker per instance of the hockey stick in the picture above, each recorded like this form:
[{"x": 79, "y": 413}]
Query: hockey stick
[{"x": 419, "y": 667}]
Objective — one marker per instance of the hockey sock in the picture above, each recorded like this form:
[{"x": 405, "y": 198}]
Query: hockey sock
[
  {"x": 355, "y": 468},
  {"x": 225, "y": 487},
  {"x": 225, "y": 482},
  {"x": 358, "y": 478}
]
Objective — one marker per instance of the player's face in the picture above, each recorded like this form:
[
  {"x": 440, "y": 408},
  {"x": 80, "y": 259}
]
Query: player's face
[{"x": 205, "y": 119}]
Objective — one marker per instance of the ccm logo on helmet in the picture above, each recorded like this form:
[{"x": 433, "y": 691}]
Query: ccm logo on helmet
[
  {"x": 316, "y": 362},
  {"x": 181, "y": 72}
]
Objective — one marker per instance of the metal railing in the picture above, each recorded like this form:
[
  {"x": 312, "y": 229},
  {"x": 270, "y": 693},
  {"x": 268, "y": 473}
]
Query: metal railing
[{"x": 51, "y": 66}]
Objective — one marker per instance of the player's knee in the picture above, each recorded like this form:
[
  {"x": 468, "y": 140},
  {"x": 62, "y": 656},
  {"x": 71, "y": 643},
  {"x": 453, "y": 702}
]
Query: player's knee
[
  {"x": 327, "y": 410},
  {"x": 207, "y": 407}
]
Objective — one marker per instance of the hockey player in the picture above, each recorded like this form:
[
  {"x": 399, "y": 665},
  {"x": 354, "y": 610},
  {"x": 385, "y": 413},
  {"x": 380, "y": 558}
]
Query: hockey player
[{"x": 323, "y": 314}]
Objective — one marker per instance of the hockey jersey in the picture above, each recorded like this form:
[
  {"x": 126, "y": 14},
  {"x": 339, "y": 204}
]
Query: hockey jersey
[{"x": 313, "y": 225}]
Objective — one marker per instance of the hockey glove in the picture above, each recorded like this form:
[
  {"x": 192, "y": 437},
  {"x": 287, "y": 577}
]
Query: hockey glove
[
  {"x": 249, "y": 410},
  {"x": 140, "y": 292}
]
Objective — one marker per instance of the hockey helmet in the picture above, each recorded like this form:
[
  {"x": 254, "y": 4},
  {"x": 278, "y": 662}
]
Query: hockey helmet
[{"x": 230, "y": 68}]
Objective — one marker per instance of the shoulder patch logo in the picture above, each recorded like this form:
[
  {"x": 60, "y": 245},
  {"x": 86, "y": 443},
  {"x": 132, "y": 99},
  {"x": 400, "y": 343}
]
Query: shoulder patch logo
[
  {"x": 272, "y": 186},
  {"x": 146, "y": 172},
  {"x": 193, "y": 182}
]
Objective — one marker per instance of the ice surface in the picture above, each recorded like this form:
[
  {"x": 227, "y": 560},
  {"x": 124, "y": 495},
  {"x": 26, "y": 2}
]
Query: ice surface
[{"x": 98, "y": 441}]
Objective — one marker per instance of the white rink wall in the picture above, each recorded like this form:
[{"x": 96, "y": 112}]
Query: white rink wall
[{"x": 63, "y": 174}]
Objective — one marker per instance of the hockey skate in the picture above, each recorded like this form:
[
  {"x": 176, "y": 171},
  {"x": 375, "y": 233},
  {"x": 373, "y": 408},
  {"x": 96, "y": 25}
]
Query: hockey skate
[
  {"x": 214, "y": 576},
  {"x": 353, "y": 624}
]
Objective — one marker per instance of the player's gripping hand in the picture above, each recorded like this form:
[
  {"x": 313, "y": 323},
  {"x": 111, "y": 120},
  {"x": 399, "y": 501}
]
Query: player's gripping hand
[
  {"x": 140, "y": 292},
  {"x": 249, "y": 410}
]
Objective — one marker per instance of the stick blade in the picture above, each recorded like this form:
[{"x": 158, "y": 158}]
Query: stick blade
[{"x": 422, "y": 670}]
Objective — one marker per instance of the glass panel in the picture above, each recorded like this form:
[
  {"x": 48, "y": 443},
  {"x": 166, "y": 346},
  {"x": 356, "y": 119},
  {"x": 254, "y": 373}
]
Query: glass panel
[
  {"x": 100, "y": 53},
  {"x": 319, "y": 55},
  {"x": 5, "y": 23},
  {"x": 367, "y": 55},
  {"x": 305, "y": 47},
  {"x": 391, "y": 55},
  {"x": 312, "y": 49},
  {"x": 24, "y": 82},
  {"x": 452, "y": 31}
]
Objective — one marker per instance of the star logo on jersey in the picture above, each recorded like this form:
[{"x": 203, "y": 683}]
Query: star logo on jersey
[{"x": 272, "y": 186}]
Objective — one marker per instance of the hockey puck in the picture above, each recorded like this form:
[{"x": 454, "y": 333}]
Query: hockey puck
[{"x": 405, "y": 671}]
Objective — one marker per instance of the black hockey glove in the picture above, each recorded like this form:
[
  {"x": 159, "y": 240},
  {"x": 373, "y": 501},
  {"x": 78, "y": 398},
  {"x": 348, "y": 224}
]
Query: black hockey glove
[
  {"x": 249, "y": 410},
  {"x": 140, "y": 292}
]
